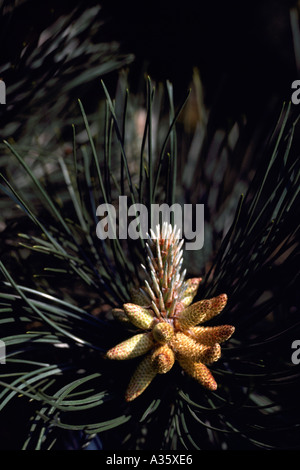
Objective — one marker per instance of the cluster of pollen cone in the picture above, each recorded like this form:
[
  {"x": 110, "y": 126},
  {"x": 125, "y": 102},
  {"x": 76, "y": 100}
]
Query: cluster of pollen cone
[{"x": 167, "y": 321}]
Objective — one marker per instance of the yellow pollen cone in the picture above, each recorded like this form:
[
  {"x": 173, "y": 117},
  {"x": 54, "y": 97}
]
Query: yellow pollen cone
[
  {"x": 138, "y": 297},
  {"x": 132, "y": 347},
  {"x": 163, "y": 332},
  {"x": 142, "y": 377},
  {"x": 195, "y": 313},
  {"x": 212, "y": 334},
  {"x": 217, "y": 305},
  {"x": 190, "y": 291},
  {"x": 120, "y": 315},
  {"x": 211, "y": 354},
  {"x": 163, "y": 359},
  {"x": 192, "y": 285},
  {"x": 187, "y": 300},
  {"x": 199, "y": 372},
  {"x": 139, "y": 316},
  {"x": 185, "y": 346}
]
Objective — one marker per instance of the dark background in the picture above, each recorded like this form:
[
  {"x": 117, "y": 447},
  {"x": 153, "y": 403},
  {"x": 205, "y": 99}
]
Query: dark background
[
  {"x": 244, "y": 50},
  {"x": 246, "y": 54}
]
